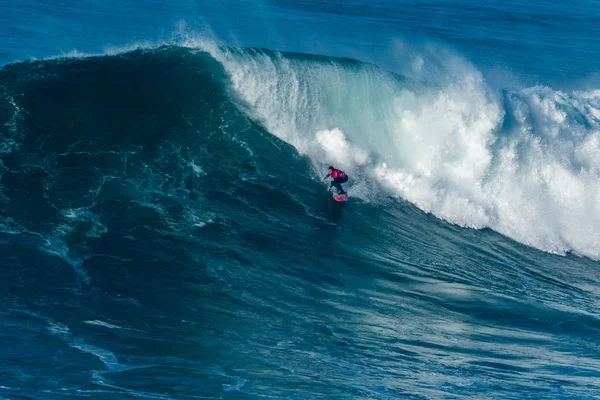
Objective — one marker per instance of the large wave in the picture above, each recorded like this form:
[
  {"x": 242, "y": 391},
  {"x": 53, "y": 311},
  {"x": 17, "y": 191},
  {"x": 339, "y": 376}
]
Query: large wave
[{"x": 525, "y": 163}]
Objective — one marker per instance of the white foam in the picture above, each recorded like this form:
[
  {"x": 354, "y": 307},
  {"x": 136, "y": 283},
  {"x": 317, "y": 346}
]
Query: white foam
[
  {"x": 530, "y": 171},
  {"x": 336, "y": 149},
  {"x": 108, "y": 325},
  {"x": 106, "y": 357},
  {"x": 74, "y": 218},
  {"x": 57, "y": 247},
  {"x": 198, "y": 171},
  {"x": 202, "y": 224},
  {"x": 9, "y": 226}
]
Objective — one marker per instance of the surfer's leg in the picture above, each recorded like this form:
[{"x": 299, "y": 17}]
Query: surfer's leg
[
  {"x": 339, "y": 184},
  {"x": 338, "y": 187}
]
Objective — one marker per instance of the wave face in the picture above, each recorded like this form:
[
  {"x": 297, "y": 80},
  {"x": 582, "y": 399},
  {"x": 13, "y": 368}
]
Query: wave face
[{"x": 163, "y": 233}]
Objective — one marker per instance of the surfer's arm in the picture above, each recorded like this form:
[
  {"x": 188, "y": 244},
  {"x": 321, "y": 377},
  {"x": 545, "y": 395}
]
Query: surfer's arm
[{"x": 325, "y": 177}]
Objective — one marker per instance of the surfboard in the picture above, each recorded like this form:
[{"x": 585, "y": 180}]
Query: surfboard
[{"x": 340, "y": 197}]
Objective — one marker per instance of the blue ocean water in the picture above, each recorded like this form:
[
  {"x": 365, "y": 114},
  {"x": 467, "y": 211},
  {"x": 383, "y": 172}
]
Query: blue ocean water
[{"x": 164, "y": 232}]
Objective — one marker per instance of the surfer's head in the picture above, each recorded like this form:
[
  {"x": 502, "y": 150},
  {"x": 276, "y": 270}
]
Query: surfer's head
[{"x": 330, "y": 169}]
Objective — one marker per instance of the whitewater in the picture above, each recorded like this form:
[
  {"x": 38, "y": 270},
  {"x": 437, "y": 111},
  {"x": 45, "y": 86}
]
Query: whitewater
[{"x": 526, "y": 163}]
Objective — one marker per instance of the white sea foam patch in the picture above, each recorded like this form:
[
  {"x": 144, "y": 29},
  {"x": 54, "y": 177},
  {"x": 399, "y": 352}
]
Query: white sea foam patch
[
  {"x": 57, "y": 247},
  {"x": 74, "y": 218},
  {"x": 335, "y": 149},
  {"x": 537, "y": 180},
  {"x": 107, "y": 357},
  {"x": 525, "y": 163},
  {"x": 108, "y": 325}
]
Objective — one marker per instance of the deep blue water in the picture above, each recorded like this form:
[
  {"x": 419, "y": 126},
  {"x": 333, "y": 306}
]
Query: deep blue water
[
  {"x": 530, "y": 41},
  {"x": 164, "y": 234}
]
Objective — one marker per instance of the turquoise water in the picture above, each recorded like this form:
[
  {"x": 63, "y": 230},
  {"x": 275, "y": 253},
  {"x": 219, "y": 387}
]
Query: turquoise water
[{"x": 164, "y": 234}]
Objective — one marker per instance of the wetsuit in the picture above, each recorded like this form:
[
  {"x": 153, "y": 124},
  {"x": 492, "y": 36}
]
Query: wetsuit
[{"x": 339, "y": 177}]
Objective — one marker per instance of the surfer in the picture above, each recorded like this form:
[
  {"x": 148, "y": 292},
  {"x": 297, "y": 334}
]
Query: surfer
[{"x": 339, "y": 177}]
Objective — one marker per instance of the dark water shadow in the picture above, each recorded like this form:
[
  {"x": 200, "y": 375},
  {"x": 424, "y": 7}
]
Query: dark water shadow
[{"x": 334, "y": 209}]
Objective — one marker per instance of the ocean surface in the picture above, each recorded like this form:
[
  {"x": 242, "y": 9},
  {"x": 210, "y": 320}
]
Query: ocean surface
[{"x": 164, "y": 233}]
